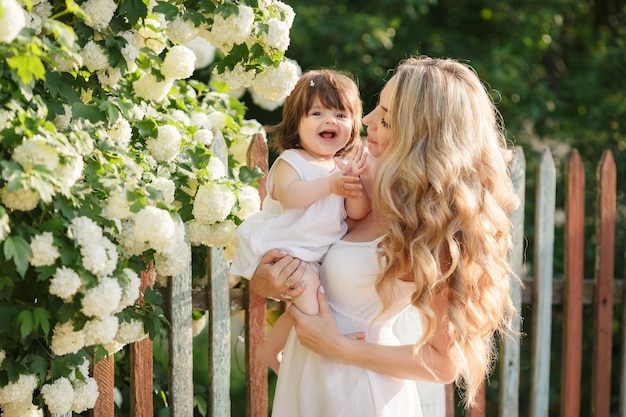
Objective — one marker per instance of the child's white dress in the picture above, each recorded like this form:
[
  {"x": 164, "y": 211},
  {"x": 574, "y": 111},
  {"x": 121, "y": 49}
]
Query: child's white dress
[
  {"x": 305, "y": 233},
  {"x": 310, "y": 385}
]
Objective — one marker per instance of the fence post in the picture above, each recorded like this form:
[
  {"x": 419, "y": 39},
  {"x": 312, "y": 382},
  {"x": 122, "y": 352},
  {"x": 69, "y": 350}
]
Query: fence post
[
  {"x": 603, "y": 314},
  {"x": 508, "y": 405},
  {"x": 141, "y": 359},
  {"x": 573, "y": 294},
  {"x": 542, "y": 286},
  {"x": 219, "y": 318},
  {"x": 256, "y": 372}
]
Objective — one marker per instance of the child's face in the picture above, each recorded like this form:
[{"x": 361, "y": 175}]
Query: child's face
[{"x": 323, "y": 131}]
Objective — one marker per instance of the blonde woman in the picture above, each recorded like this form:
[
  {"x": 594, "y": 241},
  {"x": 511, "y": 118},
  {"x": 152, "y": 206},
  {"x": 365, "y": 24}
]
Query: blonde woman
[{"x": 437, "y": 237}]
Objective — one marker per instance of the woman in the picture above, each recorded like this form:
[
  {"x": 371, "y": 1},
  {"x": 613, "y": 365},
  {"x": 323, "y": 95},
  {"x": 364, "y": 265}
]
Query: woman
[{"x": 437, "y": 237}]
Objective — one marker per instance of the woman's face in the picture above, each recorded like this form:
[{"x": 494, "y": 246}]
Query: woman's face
[{"x": 378, "y": 131}]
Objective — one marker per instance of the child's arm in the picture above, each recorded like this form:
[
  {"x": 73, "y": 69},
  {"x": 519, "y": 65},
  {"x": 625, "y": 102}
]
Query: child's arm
[
  {"x": 357, "y": 207},
  {"x": 292, "y": 192}
]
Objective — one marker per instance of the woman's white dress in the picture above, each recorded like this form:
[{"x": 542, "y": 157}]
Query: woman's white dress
[
  {"x": 310, "y": 385},
  {"x": 305, "y": 232}
]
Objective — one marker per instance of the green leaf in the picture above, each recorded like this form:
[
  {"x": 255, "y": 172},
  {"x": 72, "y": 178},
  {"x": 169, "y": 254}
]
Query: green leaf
[
  {"x": 153, "y": 296},
  {"x": 16, "y": 248},
  {"x": 28, "y": 67},
  {"x": 133, "y": 10},
  {"x": 42, "y": 319},
  {"x": 169, "y": 10},
  {"x": 26, "y": 323}
]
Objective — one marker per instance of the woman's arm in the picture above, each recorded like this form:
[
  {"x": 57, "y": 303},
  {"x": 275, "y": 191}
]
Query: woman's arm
[{"x": 321, "y": 335}]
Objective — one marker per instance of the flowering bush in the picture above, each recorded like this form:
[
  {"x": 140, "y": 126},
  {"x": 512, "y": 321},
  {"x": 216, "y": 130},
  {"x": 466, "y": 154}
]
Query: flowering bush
[{"x": 106, "y": 159}]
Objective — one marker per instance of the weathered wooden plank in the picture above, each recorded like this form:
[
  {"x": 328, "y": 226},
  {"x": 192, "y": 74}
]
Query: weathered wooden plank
[
  {"x": 219, "y": 318},
  {"x": 103, "y": 373},
  {"x": 180, "y": 375},
  {"x": 256, "y": 372},
  {"x": 603, "y": 313},
  {"x": 479, "y": 409},
  {"x": 622, "y": 372},
  {"x": 572, "y": 300},
  {"x": 542, "y": 302},
  {"x": 141, "y": 355},
  {"x": 450, "y": 400},
  {"x": 508, "y": 404},
  {"x": 219, "y": 335}
]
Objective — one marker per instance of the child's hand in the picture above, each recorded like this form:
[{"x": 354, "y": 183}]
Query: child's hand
[
  {"x": 345, "y": 185},
  {"x": 355, "y": 163}
]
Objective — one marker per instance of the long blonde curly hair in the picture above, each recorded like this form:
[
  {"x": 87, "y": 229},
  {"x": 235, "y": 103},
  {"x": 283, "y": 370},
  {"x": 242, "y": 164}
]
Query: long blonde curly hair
[{"x": 444, "y": 187}]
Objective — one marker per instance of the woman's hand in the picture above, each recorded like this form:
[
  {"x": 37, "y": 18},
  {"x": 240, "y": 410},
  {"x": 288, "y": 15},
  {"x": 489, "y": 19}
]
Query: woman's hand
[
  {"x": 278, "y": 276},
  {"x": 319, "y": 333}
]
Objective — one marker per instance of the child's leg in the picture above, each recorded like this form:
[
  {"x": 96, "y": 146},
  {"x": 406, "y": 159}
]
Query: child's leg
[
  {"x": 307, "y": 301},
  {"x": 269, "y": 352}
]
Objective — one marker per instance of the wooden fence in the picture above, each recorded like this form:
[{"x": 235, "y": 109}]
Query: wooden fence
[{"x": 540, "y": 293}]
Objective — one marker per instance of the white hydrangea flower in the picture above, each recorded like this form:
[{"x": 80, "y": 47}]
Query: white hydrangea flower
[
  {"x": 130, "y": 290},
  {"x": 167, "y": 144},
  {"x": 5, "y": 226},
  {"x": 277, "y": 83},
  {"x": 286, "y": 11},
  {"x": 38, "y": 14},
  {"x": 130, "y": 51},
  {"x": 69, "y": 172},
  {"x": 44, "y": 251},
  {"x": 85, "y": 230},
  {"x": 203, "y": 50},
  {"x": 65, "y": 283},
  {"x": 180, "y": 30},
  {"x": 22, "y": 199},
  {"x": 216, "y": 169},
  {"x": 203, "y": 137},
  {"x": 235, "y": 29},
  {"x": 58, "y": 396},
  {"x": 152, "y": 35},
  {"x": 20, "y": 390},
  {"x": 65, "y": 340},
  {"x": 166, "y": 186},
  {"x": 100, "y": 330},
  {"x": 62, "y": 121},
  {"x": 264, "y": 103},
  {"x": 217, "y": 120},
  {"x": 36, "y": 151},
  {"x": 130, "y": 332},
  {"x": 68, "y": 62},
  {"x": 213, "y": 203},
  {"x": 21, "y": 409},
  {"x": 148, "y": 88},
  {"x": 94, "y": 57},
  {"x": 249, "y": 201},
  {"x": 241, "y": 23},
  {"x": 218, "y": 235},
  {"x": 3, "y": 355},
  {"x": 154, "y": 226},
  {"x": 121, "y": 132},
  {"x": 180, "y": 117},
  {"x": 85, "y": 394},
  {"x": 109, "y": 76},
  {"x": 179, "y": 63},
  {"x": 129, "y": 242},
  {"x": 116, "y": 205},
  {"x": 277, "y": 36},
  {"x": 13, "y": 20},
  {"x": 103, "y": 299},
  {"x": 238, "y": 77},
  {"x": 172, "y": 262},
  {"x": 100, "y": 13}
]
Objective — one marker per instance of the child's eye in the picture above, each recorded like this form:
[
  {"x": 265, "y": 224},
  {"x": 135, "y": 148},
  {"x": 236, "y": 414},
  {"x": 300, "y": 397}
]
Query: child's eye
[
  {"x": 384, "y": 123},
  {"x": 342, "y": 115}
]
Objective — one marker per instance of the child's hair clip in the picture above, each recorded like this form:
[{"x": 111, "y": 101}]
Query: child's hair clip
[{"x": 312, "y": 83}]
